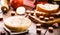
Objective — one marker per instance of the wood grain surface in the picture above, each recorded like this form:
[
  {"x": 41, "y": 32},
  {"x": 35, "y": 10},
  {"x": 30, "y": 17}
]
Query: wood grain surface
[{"x": 32, "y": 29}]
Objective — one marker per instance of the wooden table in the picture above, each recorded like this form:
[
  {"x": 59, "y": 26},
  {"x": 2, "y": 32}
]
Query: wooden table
[{"x": 32, "y": 29}]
